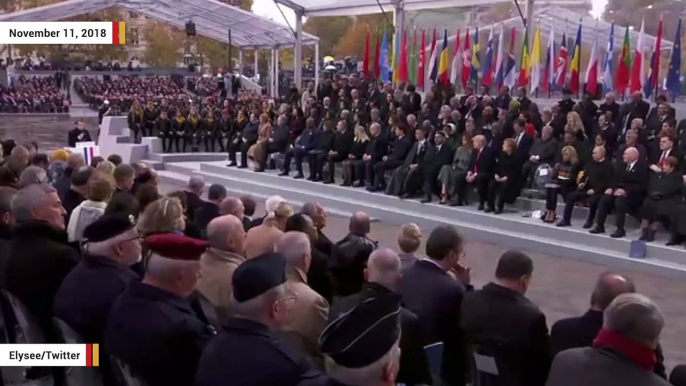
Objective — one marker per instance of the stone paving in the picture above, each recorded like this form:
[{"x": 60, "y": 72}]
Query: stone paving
[{"x": 561, "y": 287}]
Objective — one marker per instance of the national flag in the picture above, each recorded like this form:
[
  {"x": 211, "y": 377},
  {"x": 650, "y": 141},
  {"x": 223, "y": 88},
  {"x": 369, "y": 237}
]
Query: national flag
[
  {"x": 549, "y": 71},
  {"x": 562, "y": 63},
  {"x": 524, "y": 61},
  {"x": 383, "y": 59},
  {"x": 510, "y": 63},
  {"x": 592, "y": 68},
  {"x": 433, "y": 60},
  {"x": 576, "y": 63},
  {"x": 118, "y": 32},
  {"x": 673, "y": 82},
  {"x": 455, "y": 65},
  {"x": 535, "y": 62},
  {"x": 394, "y": 57},
  {"x": 499, "y": 59},
  {"x": 89, "y": 152},
  {"x": 607, "y": 68},
  {"x": 488, "y": 63},
  {"x": 476, "y": 57},
  {"x": 365, "y": 58},
  {"x": 443, "y": 63},
  {"x": 421, "y": 75},
  {"x": 466, "y": 60},
  {"x": 413, "y": 58},
  {"x": 402, "y": 61},
  {"x": 638, "y": 66},
  {"x": 377, "y": 57},
  {"x": 624, "y": 65},
  {"x": 651, "y": 81}
]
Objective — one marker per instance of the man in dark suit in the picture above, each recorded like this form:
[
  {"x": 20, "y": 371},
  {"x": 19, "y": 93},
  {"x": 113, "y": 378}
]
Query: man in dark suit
[
  {"x": 502, "y": 101},
  {"x": 412, "y": 102},
  {"x": 524, "y": 101},
  {"x": 626, "y": 193},
  {"x": 399, "y": 150},
  {"x": 611, "y": 106},
  {"x": 342, "y": 145},
  {"x": 209, "y": 209},
  {"x": 657, "y": 116},
  {"x": 437, "y": 155},
  {"x": 196, "y": 185},
  {"x": 637, "y": 108},
  {"x": 631, "y": 140},
  {"x": 436, "y": 298},
  {"x": 481, "y": 169},
  {"x": 665, "y": 148},
  {"x": 524, "y": 141},
  {"x": 502, "y": 321},
  {"x": 407, "y": 178},
  {"x": 376, "y": 150},
  {"x": 383, "y": 276}
]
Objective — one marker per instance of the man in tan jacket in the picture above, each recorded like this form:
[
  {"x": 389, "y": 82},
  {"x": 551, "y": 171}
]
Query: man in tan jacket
[
  {"x": 227, "y": 251},
  {"x": 309, "y": 313}
]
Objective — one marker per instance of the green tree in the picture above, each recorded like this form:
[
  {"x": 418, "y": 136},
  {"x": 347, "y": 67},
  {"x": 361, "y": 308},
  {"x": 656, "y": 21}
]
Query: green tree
[
  {"x": 214, "y": 52},
  {"x": 329, "y": 29},
  {"x": 162, "y": 45}
]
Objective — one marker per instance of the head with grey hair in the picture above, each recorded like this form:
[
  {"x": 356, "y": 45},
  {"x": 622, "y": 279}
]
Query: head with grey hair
[
  {"x": 636, "y": 317},
  {"x": 296, "y": 249},
  {"x": 316, "y": 212},
  {"x": 33, "y": 175},
  {"x": 6, "y": 196},
  {"x": 39, "y": 202},
  {"x": 226, "y": 233},
  {"x": 383, "y": 267},
  {"x": 196, "y": 184}
]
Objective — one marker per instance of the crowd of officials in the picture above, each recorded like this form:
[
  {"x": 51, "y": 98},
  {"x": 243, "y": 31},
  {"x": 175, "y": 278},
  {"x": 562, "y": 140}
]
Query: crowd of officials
[
  {"x": 626, "y": 159},
  {"x": 187, "y": 290},
  {"x": 36, "y": 94}
]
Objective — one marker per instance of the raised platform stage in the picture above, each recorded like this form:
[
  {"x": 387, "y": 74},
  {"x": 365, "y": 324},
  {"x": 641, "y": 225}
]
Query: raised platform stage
[{"x": 511, "y": 229}]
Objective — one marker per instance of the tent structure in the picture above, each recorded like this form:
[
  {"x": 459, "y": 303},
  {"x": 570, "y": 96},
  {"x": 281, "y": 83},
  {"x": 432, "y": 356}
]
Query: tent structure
[{"x": 212, "y": 19}]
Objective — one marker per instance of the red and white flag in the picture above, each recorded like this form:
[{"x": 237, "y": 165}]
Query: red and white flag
[
  {"x": 592, "y": 68},
  {"x": 455, "y": 65},
  {"x": 638, "y": 66}
]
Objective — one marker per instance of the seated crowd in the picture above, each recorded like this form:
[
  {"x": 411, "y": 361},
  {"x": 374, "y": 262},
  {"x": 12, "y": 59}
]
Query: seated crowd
[
  {"x": 36, "y": 94},
  {"x": 624, "y": 159},
  {"x": 188, "y": 291},
  {"x": 122, "y": 91}
]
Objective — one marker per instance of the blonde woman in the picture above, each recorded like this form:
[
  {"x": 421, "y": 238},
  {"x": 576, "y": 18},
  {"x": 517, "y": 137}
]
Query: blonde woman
[
  {"x": 356, "y": 153},
  {"x": 263, "y": 238},
  {"x": 564, "y": 181},
  {"x": 100, "y": 190},
  {"x": 106, "y": 167},
  {"x": 409, "y": 241},
  {"x": 575, "y": 124},
  {"x": 165, "y": 215}
]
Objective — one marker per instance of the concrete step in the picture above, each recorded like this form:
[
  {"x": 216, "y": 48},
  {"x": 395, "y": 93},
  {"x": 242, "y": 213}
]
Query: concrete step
[
  {"x": 509, "y": 229},
  {"x": 189, "y": 157},
  {"x": 155, "y": 165}
]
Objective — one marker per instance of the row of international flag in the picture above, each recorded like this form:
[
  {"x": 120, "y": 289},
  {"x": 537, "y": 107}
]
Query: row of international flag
[{"x": 409, "y": 62}]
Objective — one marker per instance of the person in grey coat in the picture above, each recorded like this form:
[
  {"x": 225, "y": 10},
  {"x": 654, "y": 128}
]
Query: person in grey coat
[{"x": 622, "y": 353}]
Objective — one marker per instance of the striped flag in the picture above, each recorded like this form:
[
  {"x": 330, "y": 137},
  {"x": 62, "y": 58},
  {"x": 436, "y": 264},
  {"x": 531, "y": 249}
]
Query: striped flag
[
  {"x": 433, "y": 60},
  {"x": 561, "y": 66},
  {"x": 524, "y": 61},
  {"x": 499, "y": 59},
  {"x": 118, "y": 32},
  {"x": 466, "y": 60},
  {"x": 443, "y": 62},
  {"x": 637, "y": 70},
  {"x": 575, "y": 68},
  {"x": 535, "y": 62},
  {"x": 607, "y": 71},
  {"x": 421, "y": 75},
  {"x": 488, "y": 64},
  {"x": 592, "y": 68},
  {"x": 455, "y": 65},
  {"x": 89, "y": 151},
  {"x": 651, "y": 82},
  {"x": 549, "y": 71},
  {"x": 511, "y": 62},
  {"x": 624, "y": 65},
  {"x": 476, "y": 57}
]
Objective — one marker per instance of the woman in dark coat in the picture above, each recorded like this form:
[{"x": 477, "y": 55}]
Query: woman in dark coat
[
  {"x": 359, "y": 147},
  {"x": 564, "y": 181},
  {"x": 678, "y": 220},
  {"x": 664, "y": 194},
  {"x": 506, "y": 182},
  {"x": 456, "y": 171},
  {"x": 178, "y": 131}
]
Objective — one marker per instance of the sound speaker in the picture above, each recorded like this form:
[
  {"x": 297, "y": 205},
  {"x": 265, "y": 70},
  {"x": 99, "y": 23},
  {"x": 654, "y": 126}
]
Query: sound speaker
[{"x": 190, "y": 28}]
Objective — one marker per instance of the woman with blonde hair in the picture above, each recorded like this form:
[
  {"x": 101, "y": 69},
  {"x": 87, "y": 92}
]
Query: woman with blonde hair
[
  {"x": 165, "y": 215},
  {"x": 58, "y": 163},
  {"x": 264, "y": 133},
  {"x": 263, "y": 238},
  {"x": 564, "y": 181},
  {"x": 357, "y": 151},
  {"x": 574, "y": 123},
  {"x": 106, "y": 167}
]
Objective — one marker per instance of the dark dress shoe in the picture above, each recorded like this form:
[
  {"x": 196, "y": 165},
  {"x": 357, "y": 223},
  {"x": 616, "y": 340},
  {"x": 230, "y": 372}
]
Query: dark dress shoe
[
  {"x": 328, "y": 182},
  {"x": 358, "y": 184},
  {"x": 310, "y": 178},
  {"x": 674, "y": 240},
  {"x": 372, "y": 189},
  {"x": 618, "y": 234},
  {"x": 651, "y": 235},
  {"x": 346, "y": 184},
  {"x": 405, "y": 196},
  {"x": 563, "y": 224},
  {"x": 481, "y": 207},
  {"x": 498, "y": 211},
  {"x": 282, "y": 174},
  {"x": 260, "y": 170},
  {"x": 455, "y": 203},
  {"x": 318, "y": 179},
  {"x": 299, "y": 176},
  {"x": 426, "y": 200},
  {"x": 597, "y": 230},
  {"x": 243, "y": 167},
  {"x": 588, "y": 225},
  {"x": 232, "y": 165},
  {"x": 644, "y": 234},
  {"x": 489, "y": 210}
]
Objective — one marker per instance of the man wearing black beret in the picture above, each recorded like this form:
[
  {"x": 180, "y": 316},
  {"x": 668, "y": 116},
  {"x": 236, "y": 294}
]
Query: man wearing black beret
[
  {"x": 250, "y": 351},
  {"x": 154, "y": 326},
  {"x": 86, "y": 295}
]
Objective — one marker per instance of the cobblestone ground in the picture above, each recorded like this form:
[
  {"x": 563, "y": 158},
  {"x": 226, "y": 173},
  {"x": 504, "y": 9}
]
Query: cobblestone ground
[{"x": 561, "y": 287}]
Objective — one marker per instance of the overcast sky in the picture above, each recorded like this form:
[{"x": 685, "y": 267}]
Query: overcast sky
[{"x": 269, "y": 9}]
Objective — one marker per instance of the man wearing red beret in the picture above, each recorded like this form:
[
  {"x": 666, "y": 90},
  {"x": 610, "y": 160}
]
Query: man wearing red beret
[{"x": 153, "y": 327}]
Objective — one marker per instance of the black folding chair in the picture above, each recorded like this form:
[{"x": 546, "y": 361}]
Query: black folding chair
[{"x": 77, "y": 376}]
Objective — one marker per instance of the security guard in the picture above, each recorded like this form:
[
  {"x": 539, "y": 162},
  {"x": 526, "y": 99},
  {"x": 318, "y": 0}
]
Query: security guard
[
  {"x": 153, "y": 327},
  {"x": 250, "y": 351},
  {"x": 88, "y": 292}
]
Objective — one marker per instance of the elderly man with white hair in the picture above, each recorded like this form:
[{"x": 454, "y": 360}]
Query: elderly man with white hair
[
  {"x": 270, "y": 205},
  {"x": 40, "y": 257},
  {"x": 33, "y": 175},
  {"x": 196, "y": 185},
  {"x": 622, "y": 353},
  {"x": 383, "y": 275},
  {"x": 309, "y": 311}
]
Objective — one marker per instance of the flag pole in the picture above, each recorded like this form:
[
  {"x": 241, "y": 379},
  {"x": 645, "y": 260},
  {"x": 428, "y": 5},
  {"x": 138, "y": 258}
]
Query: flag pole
[{"x": 552, "y": 60}]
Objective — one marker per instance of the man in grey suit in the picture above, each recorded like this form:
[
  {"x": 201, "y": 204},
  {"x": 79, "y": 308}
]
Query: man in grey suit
[{"x": 622, "y": 353}]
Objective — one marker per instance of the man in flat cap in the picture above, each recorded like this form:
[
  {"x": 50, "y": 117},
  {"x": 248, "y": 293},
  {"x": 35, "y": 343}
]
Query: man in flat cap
[
  {"x": 250, "y": 351},
  {"x": 88, "y": 292},
  {"x": 362, "y": 346},
  {"x": 154, "y": 327}
]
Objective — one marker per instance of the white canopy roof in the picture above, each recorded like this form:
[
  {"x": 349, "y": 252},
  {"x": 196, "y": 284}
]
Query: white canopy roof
[
  {"x": 365, "y": 7},
  {"x": 212, "y": 19},
  {"x": 564, "y": 20}
]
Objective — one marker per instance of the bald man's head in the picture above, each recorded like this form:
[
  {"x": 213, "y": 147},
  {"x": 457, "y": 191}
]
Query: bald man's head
[
  {"x": 360, "y": 224},
  {"x": 608, "y": 287},
  {"x": 226, "y": 233},
  {"x": 233, "y": 206},
  {"x": 383, "y": 267},
  {"x": 631, "y": 155}
]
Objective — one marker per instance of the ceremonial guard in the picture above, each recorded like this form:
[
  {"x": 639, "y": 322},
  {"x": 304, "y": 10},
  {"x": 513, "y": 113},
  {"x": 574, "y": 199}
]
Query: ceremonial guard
[
  {"x": 135, "y": 120},
  {"x": 165, "y": 132},
  {"x": 154, "y": 327},
  {"x": 149, "y": 118}
]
